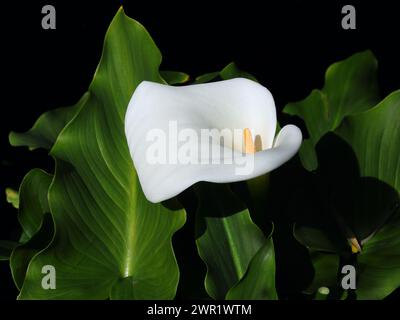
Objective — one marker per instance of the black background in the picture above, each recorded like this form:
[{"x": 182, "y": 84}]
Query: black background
[{"x": 287, "y": 45}]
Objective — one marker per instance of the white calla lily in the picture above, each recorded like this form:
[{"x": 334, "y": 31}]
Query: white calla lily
[{"x": 163, "y": 125}]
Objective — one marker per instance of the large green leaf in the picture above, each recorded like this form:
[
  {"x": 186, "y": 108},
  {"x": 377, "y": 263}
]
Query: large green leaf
[
  {"x": 364, "y": 198},
  {"x": 258, "y": 283},
  {"x": 341, "y": 204},
  {"x": 375, "y": 138},
  {"x": 227, "y": 240},
  {"x": 350, "y": 87},
  {"x": 46, "y": 129},
  {"x": 109, "y": 241}
]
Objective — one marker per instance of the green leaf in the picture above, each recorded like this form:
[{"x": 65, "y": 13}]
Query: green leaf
[
  {"x": 12, "y": 197},
  {"x": 378, "y": 269},
  {"x": 258, "y": 283},
  {"x": 206, "y": 77},
  {"x": 34, "y": 203},
  {"x": 350, "y": 87},
  {"x": 37, "y": 235},
  {"x": 227, "y": 239},
  {"x": 46, "y": 129},
  {"x": 232, "y": 71},
  {"x": 317, "y": 239},
  {"x": 365, "y": 207},
  {"x": 23, "y": 253},
  {"x": 174, "y": 77},
  {"x": 109, "y": 241},
  {"x": 375, "y": 138},
  {"x": 308, "y": 156},
  {"x": 357, "y": 204},
  {"x": 326, "y": 267},
  {"x": 360, "y": 175},
  {"x": 229, "y": 72}
]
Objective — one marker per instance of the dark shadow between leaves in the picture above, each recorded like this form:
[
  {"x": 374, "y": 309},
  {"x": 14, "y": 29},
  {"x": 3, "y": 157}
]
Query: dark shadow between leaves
[
  {"x": 340, "y": 203},
  {"x": 215, "y": 201},
  {"x": 335, "y": 203},
  {"x": 191, "y": 267},
  {"x": 360, "y": 205},
  {"x": 172, "y": 204}
]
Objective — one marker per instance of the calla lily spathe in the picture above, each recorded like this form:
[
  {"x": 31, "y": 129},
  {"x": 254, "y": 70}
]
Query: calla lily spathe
[{"x": 231, "y": 104}]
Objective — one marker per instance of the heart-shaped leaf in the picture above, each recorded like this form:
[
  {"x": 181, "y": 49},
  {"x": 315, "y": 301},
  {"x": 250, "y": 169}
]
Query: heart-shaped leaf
[{"x": 109, "y": 241}]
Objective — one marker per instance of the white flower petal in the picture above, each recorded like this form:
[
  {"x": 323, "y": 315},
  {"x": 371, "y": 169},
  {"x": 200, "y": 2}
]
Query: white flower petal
[{"x": 232, "y": 104}]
